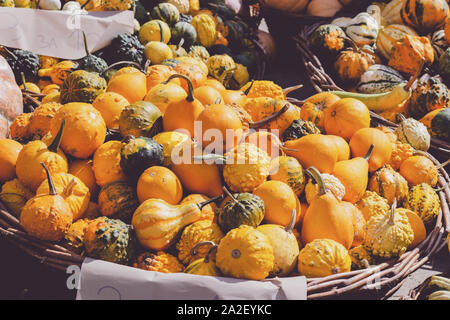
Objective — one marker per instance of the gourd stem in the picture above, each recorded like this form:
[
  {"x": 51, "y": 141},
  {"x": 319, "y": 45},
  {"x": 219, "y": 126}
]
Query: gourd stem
[
  {"x": 369, "y": 152},
  {"x": 54, "y": 146},
  {"x": 209, "y": 253},
  {"x": 400, "y": 117},
  {"x": 194, "y": 248},
  {"x": 205, "y": 203},
  {"x": 415, "y": 76},
  {"x": 291, "y": 224},
  {"x": 288, "y": 149},
  {"x": 190, "y": 96},
  {"x": 291, "y": 89},
  {"x": 317, "y": 178},
  {"x": 392, "y": 216},
  {"x": 85, "y": 4},
  {"x": 257, "y": 124},
  {"x": 249, "y": 87},
  {"x": 86, "y": 48},
  {"x": 51, "y": 185},
  {"x": 119, "y": 63},
  {"x": 218, "y": 100},
  {"x": 161, "y": 33},
  {"x": 24, "y": 82},
  {"x": 229, "y": 194},
  {"x": 441, "y": 188}
]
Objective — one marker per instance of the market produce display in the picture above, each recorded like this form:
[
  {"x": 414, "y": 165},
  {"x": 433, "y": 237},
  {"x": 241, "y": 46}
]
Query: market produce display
[
  {"x": 392, "y": 57},
  {"x": 109, "y": 160}
]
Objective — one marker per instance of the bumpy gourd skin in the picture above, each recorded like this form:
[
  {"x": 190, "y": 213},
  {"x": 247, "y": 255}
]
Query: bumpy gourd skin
[
  {"x": 110, "y": 240},
  {"x": 160, "y": 262},
  {"x": 126, "y": 47},
  {"x": 73, "y": 191},
  {"x": 245, "y": 253},
  {"x": 116, "y": 5},
  {"x": 372, "y": 204},
  {"x": 298, "y": 129},
  {"x": 400, "y": 152},
  {"x": 106, "y": 164},
  {"x": 221, "y": 67},
  {"x": 358, "y": 255},
  {"x": 264, "y": 88},
  {"x": 24, "y": 61},
  {"x": 388, "y": 238},
  {"x": 204, "y": 230},
  {"x": 74, "y": 238},
  {"x": 247, "y": 167},
  {"x": 206, "y": 29},
  {"x": 389, "y": 184},
  {"x": 92, "y": 63},
  {"x": 42, "y": 116},
  {"x": 323, "y": 257},
  {"x": 46, "y": 217},
  {"x": 423, "y": 200}
]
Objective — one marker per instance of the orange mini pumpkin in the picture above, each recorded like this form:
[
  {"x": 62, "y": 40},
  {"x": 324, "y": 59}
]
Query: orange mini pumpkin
[
  {"x": 110, "y": 105},
  {"x": 314, "y": 107},
  {"x": 345, "y": 117},
  {"x": 132, "y": 86},
  {"x": 159, "y": 183},
  {"x": 419, "y": 169},
  {"x": 208, "y": 95},
  {"x": 193, "y": 72},
  {"x": 159, "y": 73}
]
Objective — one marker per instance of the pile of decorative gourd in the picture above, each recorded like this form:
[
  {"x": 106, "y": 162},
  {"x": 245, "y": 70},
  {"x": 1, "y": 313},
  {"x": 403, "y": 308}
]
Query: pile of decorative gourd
[
  {"x": 98, "y": 157},
  {"x": 376, "y": 52}
]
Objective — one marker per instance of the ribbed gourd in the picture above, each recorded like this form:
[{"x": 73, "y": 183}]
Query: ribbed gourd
[
  {"x": 290, "y": 171},
  {"x": 378, "y": 79},
  {"x": 388, "y": 235},
  {"x": 110, "y": 240},
  {"x": 195, "y": 233},
  {"x": 424, "y": 201},
  {"x": 118, "y": 200},
  {"x": 389, "y": 35},
  {"x": 241, "y": 209},
  {"x": 141, "y": 118},
  {"x": 413, "y": 132},
  {"x": 82, "y": 86},
  {"x": 429, "y": 94},
  {"x": 389, "y": 184},
  {"x": 245, "y": 253},
  {"x": 331, "y": 182},
  {"x": 221, "y": 67},
  {"x": 161, "y": 262},
  {"x": 323, "y": 257}
]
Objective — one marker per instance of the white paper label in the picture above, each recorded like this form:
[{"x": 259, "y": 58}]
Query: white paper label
[
  {"x": 59, "y": 33},
  {"x": 110, "y": 281}
]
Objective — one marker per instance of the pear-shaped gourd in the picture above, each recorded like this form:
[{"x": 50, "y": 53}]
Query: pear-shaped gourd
[
  {"x": 181, "y": 114},
  {"x": 284, "y": 244},
  {"x": 158, "y": 223},
  {"x": 47, "y": 217},
  {"x": 325, "y": 217},
  {"x": 353, "y": 174},
  {"x": 203, "y": 266}
]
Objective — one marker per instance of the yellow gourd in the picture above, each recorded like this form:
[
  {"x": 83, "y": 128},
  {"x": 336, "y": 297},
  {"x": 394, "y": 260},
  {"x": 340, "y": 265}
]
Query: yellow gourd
[
  {"x": 284, "y": 244},
  {"x": 245, "y": 253},
  {"x": 323, "y": 257}
]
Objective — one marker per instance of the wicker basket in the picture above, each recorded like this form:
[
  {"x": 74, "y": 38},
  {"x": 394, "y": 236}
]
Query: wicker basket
[
  {"x": 321, "y": 77},
  {"x": 284, "y": 25},
  {"x": 385, "y": 277}
]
